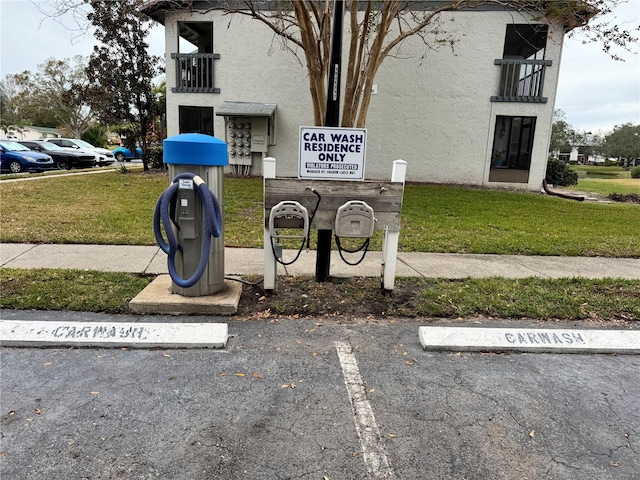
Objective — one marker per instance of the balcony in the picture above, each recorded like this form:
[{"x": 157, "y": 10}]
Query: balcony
[
  {"x": 194, "y": 72},
  {"x": 521, "y": 80}
]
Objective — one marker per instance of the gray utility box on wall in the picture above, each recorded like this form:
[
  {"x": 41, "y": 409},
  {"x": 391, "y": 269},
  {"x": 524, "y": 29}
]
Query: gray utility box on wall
[
  {"x": 249, "y": 130},
  {"x": 205, "y": 156}
]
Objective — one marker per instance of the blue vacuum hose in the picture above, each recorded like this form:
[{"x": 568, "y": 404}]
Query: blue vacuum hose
[{"x": 212, "y": 222}]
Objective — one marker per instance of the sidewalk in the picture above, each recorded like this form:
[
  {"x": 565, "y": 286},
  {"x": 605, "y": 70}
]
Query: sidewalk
[{"x": 244, "y": 261}]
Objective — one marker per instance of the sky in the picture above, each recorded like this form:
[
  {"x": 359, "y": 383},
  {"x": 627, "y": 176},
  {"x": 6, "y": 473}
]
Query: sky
[{"x": 595, "y": 92}]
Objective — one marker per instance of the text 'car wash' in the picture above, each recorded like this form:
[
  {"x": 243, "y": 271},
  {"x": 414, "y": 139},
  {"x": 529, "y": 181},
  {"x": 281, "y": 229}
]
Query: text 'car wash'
[{"x": 337, "y": 153}]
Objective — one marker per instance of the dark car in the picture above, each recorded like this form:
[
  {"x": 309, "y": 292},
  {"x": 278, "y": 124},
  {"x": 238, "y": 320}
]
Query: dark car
[
  {"x": 16, "y": 158},
  {"x": 105, "y": 157},
  {"x": 63, "y": 158}
]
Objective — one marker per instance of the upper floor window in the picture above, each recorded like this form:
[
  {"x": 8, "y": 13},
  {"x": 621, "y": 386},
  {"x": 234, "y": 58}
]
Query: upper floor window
[
  {"x": 195, "y": 60},
  {"x": 522, "y": 64},
  {"x": 526, "y": 42}
]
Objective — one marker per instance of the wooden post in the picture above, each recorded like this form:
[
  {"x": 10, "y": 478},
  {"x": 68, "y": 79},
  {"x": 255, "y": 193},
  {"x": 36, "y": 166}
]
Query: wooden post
[
  {"x": 270, "y": 263},
  {"x": 390, "y": 244}
]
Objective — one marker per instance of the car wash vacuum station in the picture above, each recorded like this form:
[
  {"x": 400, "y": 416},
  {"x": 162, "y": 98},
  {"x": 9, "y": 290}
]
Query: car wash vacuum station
[{"x": 189, "y": 213}]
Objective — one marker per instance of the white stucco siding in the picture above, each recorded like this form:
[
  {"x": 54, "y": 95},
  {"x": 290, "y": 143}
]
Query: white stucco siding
[
  {"x": 253, "y": 67},
  {"x": 434, "y": 112},
  {"x": 441, "y": 103}
]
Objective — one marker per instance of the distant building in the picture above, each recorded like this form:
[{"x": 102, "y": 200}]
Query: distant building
[
  {"x": 576, "y": 157},
  {"x": 29, "y": 133}
]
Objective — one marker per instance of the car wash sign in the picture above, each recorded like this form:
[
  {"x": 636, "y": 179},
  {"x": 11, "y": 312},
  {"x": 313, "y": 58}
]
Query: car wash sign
[{"x": 332, "y": 153}]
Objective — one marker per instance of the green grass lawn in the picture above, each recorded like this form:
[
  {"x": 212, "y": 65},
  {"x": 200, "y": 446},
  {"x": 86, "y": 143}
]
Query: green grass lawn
[
  {"x": 59, "y": 289},
  {"x": 558, "y": 299},
  {"x": 601, "y": 170},
  {"x": 460, "y": 220},
  {"x": 117, "y": 208},
  {"x": 605, "y": 180},
  {"x": 605, "y": 186}
]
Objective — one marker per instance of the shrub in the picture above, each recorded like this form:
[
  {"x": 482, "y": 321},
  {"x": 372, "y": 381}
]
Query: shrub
[
  {"x": 96, "y": 136},
  {"x": 559, "y": 173},
  {"x": 156, "y": 157},
  {"x": 635, "y": 172}
]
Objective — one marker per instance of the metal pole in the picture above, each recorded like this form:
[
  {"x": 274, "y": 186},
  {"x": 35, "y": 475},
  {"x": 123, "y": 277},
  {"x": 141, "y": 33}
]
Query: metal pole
[{"x": 331, "y": 119}]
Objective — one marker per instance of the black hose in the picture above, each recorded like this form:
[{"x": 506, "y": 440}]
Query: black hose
[
  {"x": 304, "y": 240},
  {"x": 568, "y": 196},
  {"x": 364, "y": 246}
]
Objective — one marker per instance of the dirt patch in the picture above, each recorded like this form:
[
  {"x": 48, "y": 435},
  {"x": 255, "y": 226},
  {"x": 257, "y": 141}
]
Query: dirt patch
[
  {"x": 349, "y": 301},
  {"x": 628, "y": 198},
  {"x": 362, "y": 299},
  {"x": 299, "y": 297}
]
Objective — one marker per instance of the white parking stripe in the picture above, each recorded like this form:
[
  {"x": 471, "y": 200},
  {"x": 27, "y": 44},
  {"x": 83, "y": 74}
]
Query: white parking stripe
[{"x": 370, "y": 440}]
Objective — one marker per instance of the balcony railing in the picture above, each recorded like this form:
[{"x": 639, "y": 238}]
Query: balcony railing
[
  {"x": 194, "y": 72},
  {"x": 521, "y": 80}
]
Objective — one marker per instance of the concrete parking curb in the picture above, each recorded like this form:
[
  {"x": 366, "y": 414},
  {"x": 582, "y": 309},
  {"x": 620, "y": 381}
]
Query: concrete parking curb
[
  {"x": 536, "y": 340},
  {"x": 23, "y": 333}
]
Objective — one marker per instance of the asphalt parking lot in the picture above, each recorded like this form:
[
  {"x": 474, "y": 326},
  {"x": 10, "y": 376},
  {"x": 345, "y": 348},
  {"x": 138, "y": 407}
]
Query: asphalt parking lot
[{"x": 312, "y": 399}]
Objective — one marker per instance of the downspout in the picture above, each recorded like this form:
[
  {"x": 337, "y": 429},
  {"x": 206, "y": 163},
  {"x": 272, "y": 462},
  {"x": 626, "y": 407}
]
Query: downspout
[{"x": 568, "y": 196}]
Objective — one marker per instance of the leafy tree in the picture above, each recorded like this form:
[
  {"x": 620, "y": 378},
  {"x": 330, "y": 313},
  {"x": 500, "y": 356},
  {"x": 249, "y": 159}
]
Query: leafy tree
[
  {"x": 16, "y": 128},
  {"x": 590, "y": 143},
  {"x": 160, "y": 91},
  {"x": 121, "y": 70},
  {"x": 96, "y": 135},
  {"x": 33, "y": 104},
  {"x": 563, "y": 135},
  {"x": 584, "y": 20},
  {"x": 49, "y": 97},
  {"x": 623, "y": 142},
  {"x": 8, "y": 92}
]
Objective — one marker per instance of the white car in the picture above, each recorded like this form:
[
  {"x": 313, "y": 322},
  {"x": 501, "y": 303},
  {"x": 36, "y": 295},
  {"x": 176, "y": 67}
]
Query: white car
[{"x": 103, "y": 156}]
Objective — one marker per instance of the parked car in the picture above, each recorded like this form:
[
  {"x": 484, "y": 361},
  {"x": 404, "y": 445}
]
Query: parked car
[
  {"x": 105, "y": 157},
  {"x": 16, "y": 158},
  {"x": 123, "y": 154},
  {"x": 64, "y": 158}
]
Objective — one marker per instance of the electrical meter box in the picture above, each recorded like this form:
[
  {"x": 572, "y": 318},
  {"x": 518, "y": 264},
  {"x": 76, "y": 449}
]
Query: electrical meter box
[
  {"x": 205, "y": 156},
  {"x": 244, "y": 137},
  {"x": 249, "y": 130}
]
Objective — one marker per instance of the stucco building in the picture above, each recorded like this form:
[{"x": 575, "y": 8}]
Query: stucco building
[
  {"x": 29, "y": 132},
  {"x": 477, "y": 114}
]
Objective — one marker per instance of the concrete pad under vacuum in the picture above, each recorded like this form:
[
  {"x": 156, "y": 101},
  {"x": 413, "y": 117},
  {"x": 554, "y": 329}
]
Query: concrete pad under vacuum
[
  {"x": 23, "y": 333},
  {"x": 157, "y": 298},
  {"x": 558, "y": 340}
]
